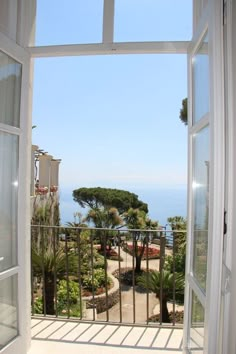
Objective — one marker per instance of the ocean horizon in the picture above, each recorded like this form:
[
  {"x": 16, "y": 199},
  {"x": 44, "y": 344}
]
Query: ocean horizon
[{"x": 162, "y": 203}]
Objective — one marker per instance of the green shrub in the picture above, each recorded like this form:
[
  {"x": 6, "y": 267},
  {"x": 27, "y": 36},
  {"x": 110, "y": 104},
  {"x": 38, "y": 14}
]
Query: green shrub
[
  {"x": 62, "y": 308},
  {"x": 38, "y": 306},
  {"x": 179, "y": 263},
  {"x": 73, "y": 294},
  {"x": 98, "y": 261},
  {"x": 96, "y": 281}
]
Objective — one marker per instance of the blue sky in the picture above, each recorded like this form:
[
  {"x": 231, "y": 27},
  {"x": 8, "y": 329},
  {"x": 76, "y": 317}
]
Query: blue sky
[
  {"x": 113, "y": 120},
  {"x": 80, "y": 21}
]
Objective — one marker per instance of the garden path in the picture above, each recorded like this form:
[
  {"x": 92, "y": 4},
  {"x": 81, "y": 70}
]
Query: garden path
[{"x": 127, "y": 295}]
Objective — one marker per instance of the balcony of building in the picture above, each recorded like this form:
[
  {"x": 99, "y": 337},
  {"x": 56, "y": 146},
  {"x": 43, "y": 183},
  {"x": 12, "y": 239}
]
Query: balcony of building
[{"x": 87, "y": 295}]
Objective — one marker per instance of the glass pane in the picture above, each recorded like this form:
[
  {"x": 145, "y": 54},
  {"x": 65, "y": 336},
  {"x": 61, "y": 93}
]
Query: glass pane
[
  {"x": 201, "y": 205},
  {"x": 8, "y": 200},
  {"x": 10, "y": 89},
  {"x": 197, "y": 324},
  {"x": 201, "y": 81},
  {"x": 69, "y": 22},
  {"x": 152, "y": 20},
  {"x": 8, "y": 310}
]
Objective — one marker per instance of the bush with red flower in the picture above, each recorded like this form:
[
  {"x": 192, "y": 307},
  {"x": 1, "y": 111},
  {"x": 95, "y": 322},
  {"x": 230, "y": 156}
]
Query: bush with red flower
[
  {"x": 41, "y": 190},
  {"x": 150, "y": 252}
]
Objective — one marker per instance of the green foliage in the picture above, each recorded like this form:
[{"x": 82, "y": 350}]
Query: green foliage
[
  {"x": 99, "y": 260},
  {"x": 135, "y": 218},
  {"x": 152, "y": 281},
  {"x": 38, "y": 306},
  {"x": 178, "y": 224},
  {"x": 46, "y": 212},
  {"x": 73, "y": 294},
  {"x": 97, "y": 197},
  {"x": 138, "y": 219},
  {"x": 41, "y": 214},
  {"x": 96, "y": 281},
  {"x": 104, "y": 218},
  {"x": 179, "y": 265},
  {"x": 48, "y": 262},
  {"x": 183, "y": 114}
]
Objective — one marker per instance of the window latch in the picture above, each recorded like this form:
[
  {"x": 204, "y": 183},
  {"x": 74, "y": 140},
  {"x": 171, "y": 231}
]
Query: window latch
[{"x": 225, "y": 223}]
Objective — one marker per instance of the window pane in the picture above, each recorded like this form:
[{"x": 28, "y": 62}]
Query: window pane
[
  {"x": 197, "y": 324},
  {"x": 152, "y": 20},
  {"x": 8, "y": 310},
  {"x": 201, "y": 81},
  {"x": 8, "y": 201},
  {"x": 200, "y": 193},
  {"x": 10, "y": 88},
  {"x": 69, "y": 22}
]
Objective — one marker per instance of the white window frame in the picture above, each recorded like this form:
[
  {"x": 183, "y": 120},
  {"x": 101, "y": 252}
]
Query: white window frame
[
  {"x": 21, "y": 343},
  {"x": 217, "y": 180}
]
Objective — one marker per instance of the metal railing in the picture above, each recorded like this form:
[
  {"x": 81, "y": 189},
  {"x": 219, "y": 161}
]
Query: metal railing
[{"x": 107, "y": 275}]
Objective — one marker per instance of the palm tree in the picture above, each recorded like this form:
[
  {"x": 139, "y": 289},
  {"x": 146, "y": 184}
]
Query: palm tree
[
  {"x": 152, "y": 281},
  {"x": 137, "y": 219},
  {"x": 47, "y": 264},
  {"x": 179, "y": 225},
  {"x": 104, "y": 218}
]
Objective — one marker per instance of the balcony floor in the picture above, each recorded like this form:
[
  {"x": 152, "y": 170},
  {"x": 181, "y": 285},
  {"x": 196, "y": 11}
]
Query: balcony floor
[{"x": 59, "y": 337}]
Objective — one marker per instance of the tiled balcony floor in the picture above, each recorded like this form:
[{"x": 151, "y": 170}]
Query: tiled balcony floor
[{"x": 62, "y": 337}]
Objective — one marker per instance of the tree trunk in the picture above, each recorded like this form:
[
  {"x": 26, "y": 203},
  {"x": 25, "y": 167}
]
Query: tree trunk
[
  {"x": 49, "y": 295},
  {"x": 165, "y": 312},
  {"x": 138, "y": 264}
]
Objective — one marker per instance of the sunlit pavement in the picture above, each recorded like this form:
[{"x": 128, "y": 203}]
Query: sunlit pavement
[{"x": 60, "y": 337}]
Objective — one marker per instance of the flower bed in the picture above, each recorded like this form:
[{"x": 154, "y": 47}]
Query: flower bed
[
  {"x": 178, "y": 317},
  {"x": 151, "y": 252},
  {"x": 110, "y": 253}
]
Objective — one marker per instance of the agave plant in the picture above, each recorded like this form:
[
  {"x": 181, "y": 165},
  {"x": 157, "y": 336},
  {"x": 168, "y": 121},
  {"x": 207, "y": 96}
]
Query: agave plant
[{"x": 152, "y": 281}]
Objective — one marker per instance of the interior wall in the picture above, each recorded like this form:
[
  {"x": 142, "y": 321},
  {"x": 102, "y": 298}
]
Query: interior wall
[
  {"x": 17, "y": 21},
  {"x": 8, "y": 18}
]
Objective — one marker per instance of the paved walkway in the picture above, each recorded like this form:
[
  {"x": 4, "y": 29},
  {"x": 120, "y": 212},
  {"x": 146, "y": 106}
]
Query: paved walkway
[
  {"x": 128, "y": 261},
  {"x": 131, "y": 299}
]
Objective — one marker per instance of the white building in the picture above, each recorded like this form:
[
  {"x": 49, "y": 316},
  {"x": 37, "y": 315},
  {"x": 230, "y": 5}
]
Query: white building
[{"x": 212, "y": 164}]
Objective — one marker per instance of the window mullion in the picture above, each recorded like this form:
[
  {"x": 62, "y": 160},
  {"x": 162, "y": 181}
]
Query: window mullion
[{"x": 108, "y": 21}]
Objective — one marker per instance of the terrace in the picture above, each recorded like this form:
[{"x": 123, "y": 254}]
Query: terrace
[{"x": 117, "y": 314}]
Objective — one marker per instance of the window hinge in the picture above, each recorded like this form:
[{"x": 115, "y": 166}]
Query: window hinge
[{"x": 225, "y": 223}]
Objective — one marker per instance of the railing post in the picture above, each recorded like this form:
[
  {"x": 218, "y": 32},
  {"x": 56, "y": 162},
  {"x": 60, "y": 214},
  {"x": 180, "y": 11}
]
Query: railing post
[
  {"x": 161, "y": 266},
  {"x": 162, "y": 252}
]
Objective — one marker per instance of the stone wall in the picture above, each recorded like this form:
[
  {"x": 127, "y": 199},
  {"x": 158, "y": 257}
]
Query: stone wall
[{"x": 100, "y": 302}]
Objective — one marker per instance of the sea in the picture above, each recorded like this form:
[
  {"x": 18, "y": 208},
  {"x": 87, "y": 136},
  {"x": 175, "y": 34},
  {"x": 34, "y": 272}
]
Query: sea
[{"x": 162, "y": 203}]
